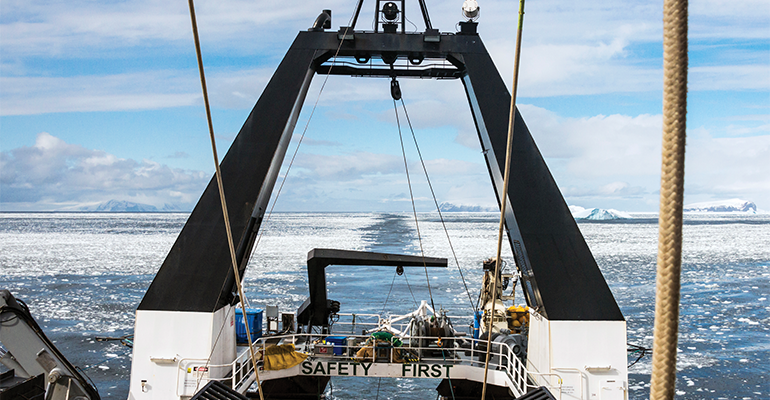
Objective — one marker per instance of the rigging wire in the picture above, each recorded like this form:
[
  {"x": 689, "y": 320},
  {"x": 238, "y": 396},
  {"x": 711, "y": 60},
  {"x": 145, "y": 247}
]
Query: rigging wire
[
  {"x": 388, "y": 296},
  {"x": 440, "y": 215},
  {"x": 411, "y": 196},
  {"x": 414, "y": 299}
]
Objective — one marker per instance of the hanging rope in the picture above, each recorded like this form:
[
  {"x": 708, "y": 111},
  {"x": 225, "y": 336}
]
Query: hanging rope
[
  {"x": 504, "y": 197},
  {"x": 408, "y": 286},
  {"x": 222, "y": 192},
  {"x": 663, "y": 378},
  {"x": 392, "y": 283},
  {"x": 411, "y": 195},
  {"x": 440, "y": 215}
]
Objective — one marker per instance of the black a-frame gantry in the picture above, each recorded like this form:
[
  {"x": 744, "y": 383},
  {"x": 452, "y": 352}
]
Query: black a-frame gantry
[{"x": 560, "y": 277}]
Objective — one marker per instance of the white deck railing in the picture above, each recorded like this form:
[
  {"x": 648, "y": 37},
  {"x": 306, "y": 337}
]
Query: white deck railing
[{"x": 462, "y": 355}]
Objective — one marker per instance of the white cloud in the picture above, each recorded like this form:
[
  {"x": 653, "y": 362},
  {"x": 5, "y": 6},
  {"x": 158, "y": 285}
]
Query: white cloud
[
  {"x": 612, "y": 190},
  {"x": 136, "y": 91},
  {"x": 131, "y": 91},
  {"x": 743, "y": 19},
  {"x": 365, "y": 181},
  {"x": 52, "y": 172},
  {"x": 719, "y": 168},
  {"x": 730, "y": 77},
  {"x": 43, "y": 28},
  {"x": 569, "y": 49},
  {"x": 591, "y": 157},
  {"x": 50, "y": 50},
  {"x": 618, "y": 157},
  {"x": 347, "y": 167},
  {"x": 599, "y": 146}
]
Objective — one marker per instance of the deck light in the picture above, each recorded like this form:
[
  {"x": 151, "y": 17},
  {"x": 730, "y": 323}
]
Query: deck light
[{"x": 471, "y": 10}]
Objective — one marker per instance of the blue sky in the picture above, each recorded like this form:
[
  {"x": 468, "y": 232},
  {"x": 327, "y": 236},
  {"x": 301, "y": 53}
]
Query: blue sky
[{"x": 100, "y": 100}]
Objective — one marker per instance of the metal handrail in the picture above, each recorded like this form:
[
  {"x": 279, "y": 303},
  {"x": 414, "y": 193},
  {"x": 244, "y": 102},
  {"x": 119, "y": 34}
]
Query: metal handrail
[
  {"x": 502, "y": 356},
  {"x": 549, "y": 386},
  {"x": 580, "y": 378}
]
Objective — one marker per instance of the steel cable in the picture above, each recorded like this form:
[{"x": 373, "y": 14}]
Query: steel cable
[
  {"x": 414, "y": 210},
  {"x": 440, "y": 215}
]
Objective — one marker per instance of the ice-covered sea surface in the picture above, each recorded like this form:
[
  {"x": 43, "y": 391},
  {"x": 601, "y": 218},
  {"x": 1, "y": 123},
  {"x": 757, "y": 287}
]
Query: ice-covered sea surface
[{"x": 84, "y": 274}]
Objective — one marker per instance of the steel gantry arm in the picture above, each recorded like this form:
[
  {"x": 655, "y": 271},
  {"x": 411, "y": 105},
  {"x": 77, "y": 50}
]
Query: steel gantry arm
[{"x": 560, "y": 276}]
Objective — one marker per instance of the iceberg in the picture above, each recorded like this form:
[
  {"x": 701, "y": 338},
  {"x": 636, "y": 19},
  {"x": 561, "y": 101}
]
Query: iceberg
[
  {"x": 731, "y": 205},
  {"x": 597, "y": 214}
]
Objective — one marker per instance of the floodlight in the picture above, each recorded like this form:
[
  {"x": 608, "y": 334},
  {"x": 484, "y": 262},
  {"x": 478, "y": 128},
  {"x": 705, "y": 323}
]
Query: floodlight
[{"x": 471, "y": 10}]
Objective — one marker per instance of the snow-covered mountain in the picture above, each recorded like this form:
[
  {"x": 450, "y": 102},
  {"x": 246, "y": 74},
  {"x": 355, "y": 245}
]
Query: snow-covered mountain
[
  {"x": 450, "y": 207},
  {"x": 122, "y": 206},
  {"x": 731, "y": 205}
]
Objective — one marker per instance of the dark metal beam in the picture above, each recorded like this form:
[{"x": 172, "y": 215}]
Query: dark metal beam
[
  {"x": 383, "y": 72},
  {"x": 560, "y": 276},
  {"x": 319, "y": 259},
  {"x": 197, "y": 273}
]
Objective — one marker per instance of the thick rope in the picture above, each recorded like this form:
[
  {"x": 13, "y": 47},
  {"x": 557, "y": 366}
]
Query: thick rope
[
  {"x": 663, "y": 379},
  {"x": 504, "y": 197},
  {"x": 222, "y": 193}
]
